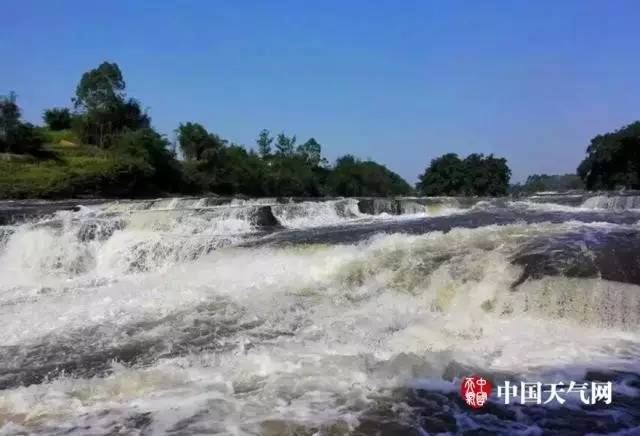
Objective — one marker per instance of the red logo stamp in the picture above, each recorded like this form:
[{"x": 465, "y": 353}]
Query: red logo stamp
[{"x": 475, "y": 390}]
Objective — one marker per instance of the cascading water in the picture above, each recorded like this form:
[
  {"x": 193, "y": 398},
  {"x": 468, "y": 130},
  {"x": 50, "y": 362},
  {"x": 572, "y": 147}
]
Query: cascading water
[
  {"x": 202, "y": 316},
  {"x": 620, "y": 202}
]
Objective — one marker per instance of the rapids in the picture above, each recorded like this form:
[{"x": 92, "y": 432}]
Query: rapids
[{"x": 300, "y": 316}]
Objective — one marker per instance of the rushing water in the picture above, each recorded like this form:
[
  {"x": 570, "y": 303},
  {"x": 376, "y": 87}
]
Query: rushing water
[{"x": 346, "y": 316}]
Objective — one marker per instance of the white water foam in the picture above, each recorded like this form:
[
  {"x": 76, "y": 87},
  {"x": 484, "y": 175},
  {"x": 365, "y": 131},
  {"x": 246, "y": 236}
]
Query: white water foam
[
  {"x": 616, "y": 202},
  {"x": 327, "y": 329},
  {"x": 318, "y": 213}
]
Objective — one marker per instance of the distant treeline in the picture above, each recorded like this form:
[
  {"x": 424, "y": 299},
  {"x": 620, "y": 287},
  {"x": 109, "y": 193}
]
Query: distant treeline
[
  {"x": 544, "y": 182},
  {"x": 104, "y": 145}
]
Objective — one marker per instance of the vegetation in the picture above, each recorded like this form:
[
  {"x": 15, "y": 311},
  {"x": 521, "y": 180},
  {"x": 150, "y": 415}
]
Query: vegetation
[
  {"x": 57, "y": 118},
  {"x": 106, "y": 147},
  {"x": 475, "y": 175},
  {"x": 78, "y": 171},
  {"x": 103, "y": 111},
  {"x": 613, "y": 160},
  {"x": 353, "y": 177},
  {"x": 16, "y": 136},
  {"x": 544, "y": 182}
]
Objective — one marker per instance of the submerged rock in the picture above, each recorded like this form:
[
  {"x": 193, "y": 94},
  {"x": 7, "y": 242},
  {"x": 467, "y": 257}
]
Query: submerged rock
[
  {"x": 99, "y": 229},
  {"x": 392, "y": 206},
  {"x": 613, "y": 256},
  {"x": 376, "y": 206}
]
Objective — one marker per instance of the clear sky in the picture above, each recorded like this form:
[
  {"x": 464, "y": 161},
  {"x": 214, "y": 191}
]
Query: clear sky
[{"x": 400, "y": 82}]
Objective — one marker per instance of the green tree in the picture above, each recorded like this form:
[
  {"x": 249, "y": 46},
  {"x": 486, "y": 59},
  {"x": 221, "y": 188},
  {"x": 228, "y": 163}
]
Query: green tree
[
  {"x": 9, "y": 120},
  {"x": 485, "y": 175},
  {"x": 100, "y": 88},
  {"x": 444, "y": 176},
  {"x": 104, "y": 127},
  {"x": 16, "y": 136},
  {"x": 289, "y": 175},
  {"x": 57, "y": 118},
  {"x": 197, "y": 143},
  {"x": 264, "y": 142},
  {"x": 311, "y": 152},
  {"x": 104, "y": 112},
  {"x": 613, "y": 160},
  {"x": 243, "y": 172},
  {"x": 352, "y": 177},
  {"x": 285, "y": 145},
  {"x": 148, "y": 150},
  {"x": 475, "y": 175}
]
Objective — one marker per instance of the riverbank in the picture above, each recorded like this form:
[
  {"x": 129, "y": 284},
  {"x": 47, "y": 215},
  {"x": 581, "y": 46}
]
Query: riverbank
[{"x": 72, "y": 171}]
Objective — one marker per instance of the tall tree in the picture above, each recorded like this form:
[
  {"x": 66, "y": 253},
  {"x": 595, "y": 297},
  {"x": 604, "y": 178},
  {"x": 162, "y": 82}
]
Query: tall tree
[
  {"x": 105, "y": 113},
  {"x": 16, "y": 136},
  {"x": 100, "y": 88},
  {"x": 311, "y": 152},
  {"x": 264, "y": 142},
  {"x": 285, "y": 144},
  {"x": 9, "y": 117}
]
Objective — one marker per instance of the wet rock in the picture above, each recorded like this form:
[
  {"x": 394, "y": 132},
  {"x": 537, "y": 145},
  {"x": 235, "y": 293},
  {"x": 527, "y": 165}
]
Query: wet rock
[
  {"x": 263, "y": 217},
  {"x": 14, "y": 212},
  {"x": 568, "y": 261},
  {"x": 610, "y": 255},
  {"x": 98, "y": 230},
  {"x": 376, "y": 206}
]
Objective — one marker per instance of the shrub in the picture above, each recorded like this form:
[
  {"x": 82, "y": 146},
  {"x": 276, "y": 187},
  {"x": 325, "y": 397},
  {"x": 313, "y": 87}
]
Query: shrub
[{"x": 57, "y": 118}]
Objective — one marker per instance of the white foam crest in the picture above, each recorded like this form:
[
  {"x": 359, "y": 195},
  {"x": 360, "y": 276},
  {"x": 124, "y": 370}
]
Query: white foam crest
[
  {"x": 253, "y": 202},
  {"x": 616, "y": 202},
  {"x": 545, "y": 207},
  {"x": 106, "y": 245},
  {"x": 385, "y": 262},
  {"x": 316, "y": 213}
]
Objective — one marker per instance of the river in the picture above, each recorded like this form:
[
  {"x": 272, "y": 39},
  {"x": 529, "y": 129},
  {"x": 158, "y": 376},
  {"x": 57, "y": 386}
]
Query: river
[{"x": 345, "y": 316}]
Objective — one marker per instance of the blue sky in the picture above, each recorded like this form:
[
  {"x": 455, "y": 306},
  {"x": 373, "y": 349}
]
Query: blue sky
[{"x": 398, "y": 82}]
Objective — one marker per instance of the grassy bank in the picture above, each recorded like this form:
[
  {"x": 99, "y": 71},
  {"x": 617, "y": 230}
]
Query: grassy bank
[{"x": 73, "y": 171}]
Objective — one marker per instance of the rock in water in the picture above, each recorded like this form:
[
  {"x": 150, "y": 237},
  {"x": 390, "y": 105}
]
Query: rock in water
[
  {"x": 263, "y": 217},
  {"x": 609, "y": 255}
]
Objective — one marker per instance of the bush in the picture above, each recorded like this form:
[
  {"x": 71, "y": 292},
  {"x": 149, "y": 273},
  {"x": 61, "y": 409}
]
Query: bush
[
  {"x": 353, "y": 177},
  {"x": 16, "y": 136},
  {"x": 57, "y": 118},
  {"x": 25, "y": 139},
  {"x": 147, "y": 148},
  {"x": 475, "y": 175}
]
